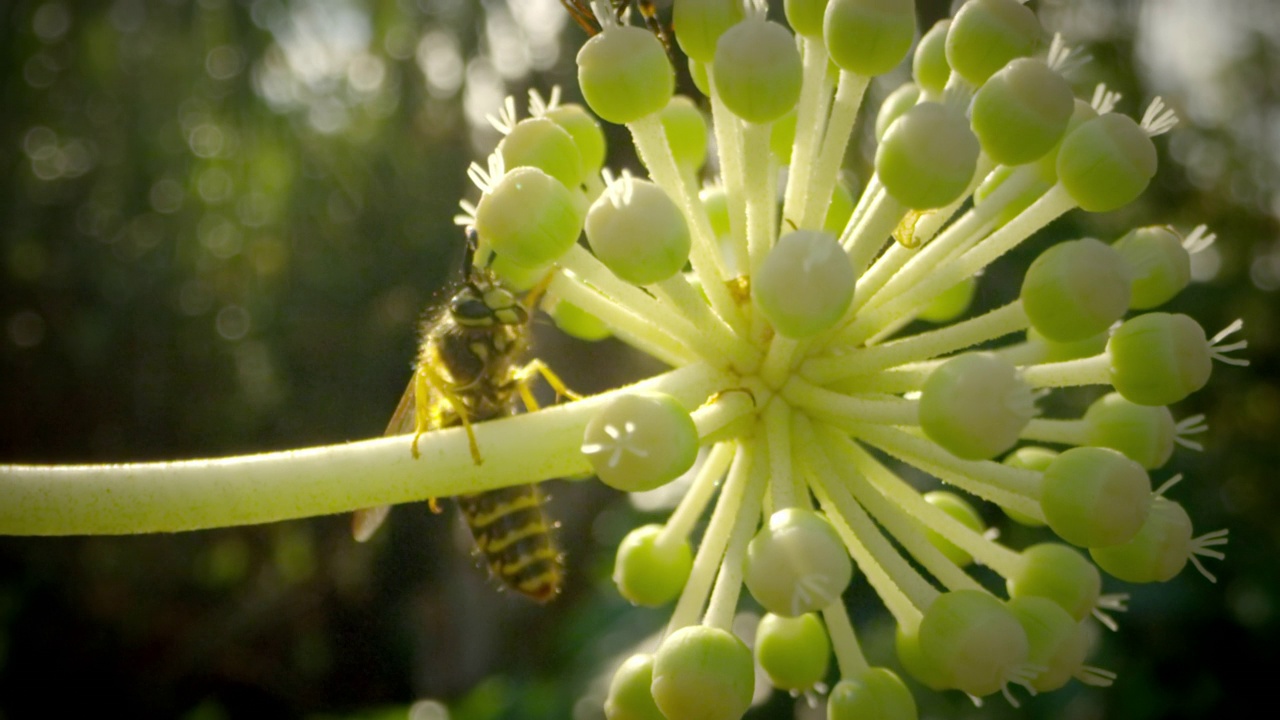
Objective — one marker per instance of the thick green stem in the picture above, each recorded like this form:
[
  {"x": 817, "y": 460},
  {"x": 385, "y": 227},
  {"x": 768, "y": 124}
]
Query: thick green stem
[{"x": 132, "y": 498}]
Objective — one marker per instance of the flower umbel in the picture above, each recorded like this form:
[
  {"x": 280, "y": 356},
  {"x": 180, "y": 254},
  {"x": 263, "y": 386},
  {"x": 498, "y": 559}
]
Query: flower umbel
[{"x": 785, "y": 310}]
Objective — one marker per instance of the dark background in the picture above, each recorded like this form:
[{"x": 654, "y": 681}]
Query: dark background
[{"x": 219, "y": 223}]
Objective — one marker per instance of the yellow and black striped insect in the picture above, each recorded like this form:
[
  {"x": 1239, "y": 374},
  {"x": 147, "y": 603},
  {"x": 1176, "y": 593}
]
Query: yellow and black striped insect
[
  {"x": 581, "y": 13},
  {"x": 469, "y": 370}
]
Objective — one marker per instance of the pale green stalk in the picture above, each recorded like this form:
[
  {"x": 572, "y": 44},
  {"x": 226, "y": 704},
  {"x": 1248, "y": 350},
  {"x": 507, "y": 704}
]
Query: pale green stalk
[
  {"x": 1095, "y": 370},
  {"x": 844, "y": 110},
  {"x": 694, "y": 502},
  {"x": 728, "y": 586},
  {"x": 853, "y": 664}
]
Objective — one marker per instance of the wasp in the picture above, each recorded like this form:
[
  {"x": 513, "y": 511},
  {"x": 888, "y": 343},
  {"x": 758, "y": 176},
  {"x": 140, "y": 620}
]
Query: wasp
[
  {"x": 469, "y": 369},
  {"x": 581, "y": 13}
]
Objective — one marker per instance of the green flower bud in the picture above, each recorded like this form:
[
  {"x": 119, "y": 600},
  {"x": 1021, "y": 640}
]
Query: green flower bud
[
  {"x": 1059, "y": 573},
  {"x": 1075, "y": 290},
  {"x": 701, "y": 74},
  {"x": 640, "y": 441},
  {"x": 1021, "y": 112},
  {"x": 975, "y": 641},
  {"x": 1144, "y": 433},
  {"x": 579, "y": 323},
  {"x": 1157, "y": 553},
  {"x": 793, "y": 652},
  {"x": 541, "y": 143},
  {"x": 895, "y": 105},
  {"x": 529, "y": 217},
  {"x": 797, "y": 563},
  {"x": 517, "y": 276},
  {"x": 1106, "y": 163},
  {"x": 975, "y": 405},
  {"x": 686, "y": 131},
  {"x": 637, "y": 230},
  {"x": 757, "y": 70},
  {"x": 1047, "y": 166},
  {"x": 960, "y": 509},
  {"x": 716, "y": 203},
  {"x": 1159, "y": 359},
  {"x": 811, "y": 260},
  {"x": 648, "y": 573},
  {"x": 586, "y": 133},
  {"x": 869, "y": 37},
  {"x": 1028, "y": 457},
  {"x": 952, "y": 303},
  {"x": 703, "y": 673},
  {"x": 805, "y": 16},
  {"x": 877, "y": 694},
  {"x": 914, "y": 661},
  {"x": 986, "y": 34},
  {"x": 927, "y": 157},
  {"x": 1058, "y": 642},
  {"x": 701, "y": 24},
  {"x": 839, "y": 210},
  {"x": 1158, "y": 263},
  {"x": 624, "y": 74},
  {"x": 1095, "y": 497},
  {"x": 629, "y": 697},
  {"x": 1032, "y": 191},
  {"x": 929, "y": 65},
  {"x": 1055, "y": 351}
]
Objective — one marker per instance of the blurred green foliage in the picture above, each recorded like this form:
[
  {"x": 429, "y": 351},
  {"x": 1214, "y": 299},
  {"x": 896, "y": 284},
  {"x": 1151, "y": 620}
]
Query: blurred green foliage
[{"x": 221, "y": 221}]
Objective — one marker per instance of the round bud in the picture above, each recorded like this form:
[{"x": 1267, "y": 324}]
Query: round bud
[
  {"x": 1095, "y": 497},
  {"x": 929, "y": 64},
  {"x": 975, "y": 405},
  {"x": 1159, "y": 359},
  {"x": 1028, "y": 457},
  {"x": 1157, "y": 553},
  {"x": 793, "y": 652},
  {"x": 648, "y": 573},
  {"x": 1021, "y": 112},
  {"x": 907, "y": 645},
  {"x": 1106, "y": 162},
  {"x": 701, "y": 24},
  {"x": 629, "y": 697},
  {"x": 716, "y": 202},
  {"x": 960, "y": 509},
  {"x": 1059, "y": 573},
  {"x": 529, "y": 217},
  {"x": 574, "y": 321},
  {"x": 839, "y": 210},
  {"x": 686, "y": 131},
  {"x": 757, "y": 70},
  {"x": 1158, "y": 264},
  {"x": 898, "y": 102},
  {"x": 1144, "y": 433},
  {"x": 515, "y": 276},
  {"x": 869, "y": 37},
  {"x": 541, "y": 143},
  {"x": 782, "y": 136},
  {"x": 1075, "y": 290},
  {"x": 1057, "y": 642},
  {"x": 805, "y": 284},
  {"x": 986, "y": 34},
  {"x": 638, "y": 232},
  {"x": 703, "y": 673},
  {"x": 805, "y": 16},
  {"x": 586, "y": 133},
  {"x": 1047, "y": 166},
  {"x": 1055, "y": 351},
  {"x": 701, "y": 74},
  {"x": 640, "y": 441},
  {"x": 927, "y": 157},
  {"x": 877, "y": 694},
  {"x": 624, "y": 74},
  {"x": 952, "y": 303},
  {"x": 974, "y": 639},
  {"x": 796, "y": 563}
]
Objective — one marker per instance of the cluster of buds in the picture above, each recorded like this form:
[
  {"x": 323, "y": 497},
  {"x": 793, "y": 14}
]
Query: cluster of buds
[{"x": 783, "y": 305}]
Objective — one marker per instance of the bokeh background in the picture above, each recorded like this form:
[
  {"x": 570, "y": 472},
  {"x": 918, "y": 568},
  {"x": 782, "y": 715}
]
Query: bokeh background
[{"x": 220, "y": 221}]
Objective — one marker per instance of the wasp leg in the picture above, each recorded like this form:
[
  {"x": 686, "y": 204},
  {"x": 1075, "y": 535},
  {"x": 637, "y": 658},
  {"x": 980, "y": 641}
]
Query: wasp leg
[
  {"x": 524, "y": 379},
  {"x": 428, "y": 384}
]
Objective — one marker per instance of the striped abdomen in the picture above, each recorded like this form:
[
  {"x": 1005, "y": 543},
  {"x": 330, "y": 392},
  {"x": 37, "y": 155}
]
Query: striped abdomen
[{"x": 515, "y": 536}]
